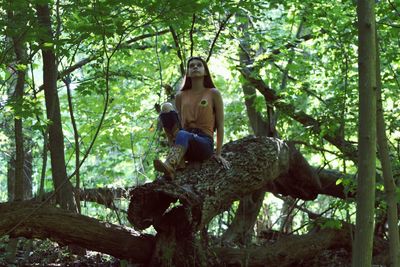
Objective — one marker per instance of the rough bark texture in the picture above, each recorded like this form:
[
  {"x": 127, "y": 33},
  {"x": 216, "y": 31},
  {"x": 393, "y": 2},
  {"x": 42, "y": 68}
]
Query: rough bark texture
[
  {"x": 204, "y": 193},
  {"x": 34, "y": 221},
  {"x": 212, "y": 189},
  {"x": 19, "y": 137},
  {"x": 66, "y": 228},
  {"x": 293, "y": 250}
]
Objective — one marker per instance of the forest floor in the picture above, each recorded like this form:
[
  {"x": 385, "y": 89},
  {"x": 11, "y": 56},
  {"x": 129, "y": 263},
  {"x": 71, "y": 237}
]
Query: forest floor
[{"x": 46, "y": 253}]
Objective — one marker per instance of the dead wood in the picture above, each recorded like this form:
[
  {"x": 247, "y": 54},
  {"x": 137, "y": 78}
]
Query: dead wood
[
  {"x": 294, "y": 250},
  {"x": 258, "y": 163},
  {"x": 31, "y": 220}
]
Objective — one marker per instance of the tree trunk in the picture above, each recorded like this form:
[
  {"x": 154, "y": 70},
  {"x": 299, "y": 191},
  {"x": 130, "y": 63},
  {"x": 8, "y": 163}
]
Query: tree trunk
[
  {"x": 127, "y": 244},
  {"x": 35, "y": 220},
  {"x": 390, "y": 187},
  {"x": 362, "y": 249},
  {"x": 11, "y": 179},
  {"x": 287, "y": 216},
  {"x": 200, "y": 195},
  {"x": 19, "y": 139},
  {"x": 294, "y": 250},
  {"x": 18, "y": 132},
  {"x": 16, "y": 176},
  {"x": 314, "y": 125},
  {"x": 56, "y": 139},
  {"x": 67, "y": 82},
  {"x": 241, "y": 228}
]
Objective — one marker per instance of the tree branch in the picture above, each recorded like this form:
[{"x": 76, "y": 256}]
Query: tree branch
[
  {"x": 258, "y": 163},
  {"x": 191, "y": 34},
  {"x": 178, "y": 50},
  {"x": 293, "y": 249},
  {"x": 222, "y": 26},
  {"x": 315, "y": 126},
  {"x": 68, "y": 228}
]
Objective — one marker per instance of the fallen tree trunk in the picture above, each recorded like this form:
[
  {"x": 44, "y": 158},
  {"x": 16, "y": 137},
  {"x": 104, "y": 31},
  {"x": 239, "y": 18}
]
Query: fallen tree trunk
[
  {"x": 197, "y": 196},
  {"x": 103, "y": 196},
  {"x": 33, "y": 220},
  {"x": 68, "y": 228},
  {"x": 295, "y": 250},
  {"x": 258, "y": 163},
  {"x": 180, "y": 208}
]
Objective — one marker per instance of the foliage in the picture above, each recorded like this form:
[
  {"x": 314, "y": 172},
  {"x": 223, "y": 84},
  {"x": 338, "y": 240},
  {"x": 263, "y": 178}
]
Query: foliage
[{"x": 132, "y": 55}]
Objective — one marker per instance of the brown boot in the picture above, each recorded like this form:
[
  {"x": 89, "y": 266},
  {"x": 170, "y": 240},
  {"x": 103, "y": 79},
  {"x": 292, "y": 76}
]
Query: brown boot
[
  {"x": 174, "y": 158},
  {"x": 171, "y": 136}
]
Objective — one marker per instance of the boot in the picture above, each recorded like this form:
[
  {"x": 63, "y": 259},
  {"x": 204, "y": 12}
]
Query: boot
[
  {"x": 171, "y": 137},
  {"x": 174, "y": 158}
]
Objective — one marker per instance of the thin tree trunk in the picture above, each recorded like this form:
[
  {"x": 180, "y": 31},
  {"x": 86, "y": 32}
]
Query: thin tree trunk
[
  {"x": 11, "y": 179},
  {"x": 16, "y": 177},
  {"x": 56, "y": 139},
  {"x": 390, "y": 187},
  {"x": 44, "y": 164},
  {"x": 362, "y": 247},
  {"x": 76, "y": 139},
  {"x": 19, "y": 139},
  {"x": 240, "y": 230},
  {"x": 28, "y": 171},
  {"x": 287, "y": 215},
  {"x": 249, "y": 206}
]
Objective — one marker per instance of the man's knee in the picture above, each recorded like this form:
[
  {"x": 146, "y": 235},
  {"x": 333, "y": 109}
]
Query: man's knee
[{"x": 167, "y": 107}]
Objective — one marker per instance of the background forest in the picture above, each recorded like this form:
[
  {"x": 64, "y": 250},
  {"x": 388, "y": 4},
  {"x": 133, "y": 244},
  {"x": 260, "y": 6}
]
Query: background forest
[{"x": 81, "y": 83}]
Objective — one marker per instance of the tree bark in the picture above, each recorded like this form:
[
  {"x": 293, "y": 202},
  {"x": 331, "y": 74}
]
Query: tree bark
[
  {"x": 240, "y": 230},
  {"x": 10, "y": 179},
  {"x": 18, "y": 132},
  {"x": 383, "y": 153},
  {"x": 202, "y": 194},
  {"x": 212, "y": 189},
  {"x": 293, "y": 250},
  {"x": 102, "y": 196},
  {"x": 56, "y": 138},
  {"x": 124, "y": 243},
  {"x": 35, "y": 220},
  {"x": 362, "y": 252}
]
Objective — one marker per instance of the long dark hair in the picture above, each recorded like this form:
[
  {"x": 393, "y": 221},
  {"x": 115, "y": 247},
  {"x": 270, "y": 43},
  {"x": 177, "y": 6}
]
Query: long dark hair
[{"x": 187, "y": 82}]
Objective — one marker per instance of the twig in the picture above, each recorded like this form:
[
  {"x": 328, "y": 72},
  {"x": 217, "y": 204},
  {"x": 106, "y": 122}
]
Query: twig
[
  {"x": 222, "y": 26},
  {"x": 178, "y": 50},
  {"x": 191, "y": 34}
]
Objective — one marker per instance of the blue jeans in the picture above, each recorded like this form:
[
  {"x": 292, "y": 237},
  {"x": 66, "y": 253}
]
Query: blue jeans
[{"x": 199, "y": 145}]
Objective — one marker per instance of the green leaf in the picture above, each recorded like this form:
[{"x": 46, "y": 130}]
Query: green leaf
[{"x": 48, "y": 45}]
